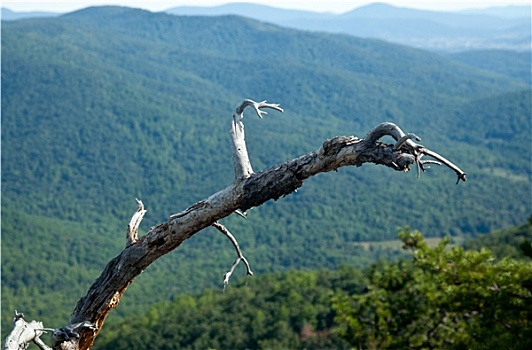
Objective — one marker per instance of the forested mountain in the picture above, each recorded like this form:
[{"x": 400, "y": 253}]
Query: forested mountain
[
  {"x": 503, "y": 28},
  {"x": 107, "y": 104}
]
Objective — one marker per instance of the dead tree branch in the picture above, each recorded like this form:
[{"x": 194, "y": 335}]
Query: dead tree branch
[
  {"x": 241, "y": 161},
  {"x": 62, "y": 339},
  {"x": 249, "y": 190},
  {"x": 24, "y": 333},
  {"x": 240, "y": 256}
]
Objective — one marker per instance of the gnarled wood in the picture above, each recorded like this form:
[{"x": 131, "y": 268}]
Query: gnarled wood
[{"x": 24, "y": 333}]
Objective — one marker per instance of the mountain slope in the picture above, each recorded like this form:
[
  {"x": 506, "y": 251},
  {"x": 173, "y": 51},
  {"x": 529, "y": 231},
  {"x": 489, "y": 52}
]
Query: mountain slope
[
  {"x": 107, "y": 104},
  {"x": 513, "y": 64}
]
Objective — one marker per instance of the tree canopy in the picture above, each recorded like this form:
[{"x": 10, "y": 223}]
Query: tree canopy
[{"x": 444, "y": 297}]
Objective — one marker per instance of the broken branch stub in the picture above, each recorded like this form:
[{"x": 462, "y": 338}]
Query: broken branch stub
[
  {"x": 24, "y": 333},
  {"x": 134, "y": 223},
  {"x": 241, "y": 162}
]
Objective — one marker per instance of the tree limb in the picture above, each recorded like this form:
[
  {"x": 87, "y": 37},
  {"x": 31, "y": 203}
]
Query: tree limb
[
  {"x": 249, "y": 190},
  {"x": 240, "y": 256}
]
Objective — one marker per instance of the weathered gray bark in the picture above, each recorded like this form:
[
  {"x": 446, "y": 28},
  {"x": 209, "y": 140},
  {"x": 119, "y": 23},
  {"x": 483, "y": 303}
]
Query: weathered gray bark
[
  {"x": 24, "y": 333},
  {"x": 249, "y": 190}
]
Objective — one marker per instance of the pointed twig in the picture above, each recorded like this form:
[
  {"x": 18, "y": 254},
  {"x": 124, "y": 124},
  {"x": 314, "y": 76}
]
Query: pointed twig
[
  {"x": 461, "y": 175},
  {"x": 257, "y": 106},
  {"x": 243, "y": 214}
]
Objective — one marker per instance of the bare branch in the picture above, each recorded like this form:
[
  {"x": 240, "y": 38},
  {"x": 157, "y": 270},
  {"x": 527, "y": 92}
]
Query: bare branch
[
  {"x": 403, "y": 139},
  {"x": 257, "y": 106},
  {"x": 241, "y": 161},
  {"x": 134, "y": 223},
  {"x": 62, "y": 339},
  {"x": 24, "y": 333},
  {"x": 416, "y": 150},
  {"x": 240, "y": 256},
  {"x": 461, "y": 175}
]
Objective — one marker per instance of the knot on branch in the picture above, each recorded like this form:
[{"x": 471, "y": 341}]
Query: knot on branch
[
  {"x": 334, "y": 145},
  {"x": 66, "y": 337}
]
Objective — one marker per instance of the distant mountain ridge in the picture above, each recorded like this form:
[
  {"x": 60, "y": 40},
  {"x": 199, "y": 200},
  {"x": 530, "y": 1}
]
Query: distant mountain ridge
[
  {"x": 502, "y": 28},
  {"x": 256, "y": 11},
  {"x": 8, "y": 15},
  {"x": 433, "y": 30}
]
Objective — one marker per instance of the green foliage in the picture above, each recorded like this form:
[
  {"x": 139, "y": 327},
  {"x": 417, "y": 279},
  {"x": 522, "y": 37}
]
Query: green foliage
[
  {"x": 513, "y": 242},
  {"x": 443, "y": 298},
  {"x": 273, "y": 311}
]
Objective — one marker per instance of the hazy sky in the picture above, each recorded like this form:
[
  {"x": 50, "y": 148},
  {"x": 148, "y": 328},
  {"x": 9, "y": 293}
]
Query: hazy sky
[{"x": 319, "y": 6}]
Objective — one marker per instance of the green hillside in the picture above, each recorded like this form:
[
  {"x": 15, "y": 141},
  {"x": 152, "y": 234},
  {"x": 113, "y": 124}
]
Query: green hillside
[
  {"x": 514, "y": 242},
  {"x": 107, "y": 104}
]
